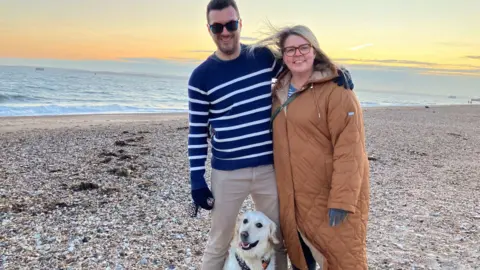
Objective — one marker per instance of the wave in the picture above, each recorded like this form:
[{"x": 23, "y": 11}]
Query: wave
[
  {"x": 394, "y": 104},
  {"x": 13, "y": 98},
  {"x": 42, "y": 110},
  {"x": 171, "y": 107}
]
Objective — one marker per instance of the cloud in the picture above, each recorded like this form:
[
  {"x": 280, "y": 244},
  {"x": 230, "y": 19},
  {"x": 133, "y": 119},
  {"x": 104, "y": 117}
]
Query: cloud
[
  {"x": 142, "y": 60},
  {"x": 159, "y": 62},
  {"x": 184, "y": 59},
  {"x": 155, "y": 66},
  {"x": 135, "y": 59},
  {"x": 457, "y": 44},
  {"x": 408, "y": 63},
  {"x": 200, "y": 51},
  {"x": 421, "y": 67},
  {"x": 147, "y": 60},
  {"x": 477, "y": 57},
  {"x": 248, "y": 38},
  {"x": 449, "y": 72},
  {"x": 359, "y": 47},
  {"x": 386, "y": 61}
]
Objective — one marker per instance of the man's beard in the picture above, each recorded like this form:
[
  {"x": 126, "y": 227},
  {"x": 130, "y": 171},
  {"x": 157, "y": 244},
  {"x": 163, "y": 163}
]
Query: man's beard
[{"x": 230, "y": 50}]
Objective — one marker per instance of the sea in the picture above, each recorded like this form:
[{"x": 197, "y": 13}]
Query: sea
[{"x": 33, "y": 91}]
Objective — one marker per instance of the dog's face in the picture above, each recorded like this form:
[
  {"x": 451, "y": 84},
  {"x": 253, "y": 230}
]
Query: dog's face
[{"x": 256, "y": 232}]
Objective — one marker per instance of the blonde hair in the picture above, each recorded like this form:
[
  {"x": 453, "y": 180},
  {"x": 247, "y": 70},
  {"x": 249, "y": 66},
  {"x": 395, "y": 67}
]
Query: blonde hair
[{"x": 275, "y": 42}]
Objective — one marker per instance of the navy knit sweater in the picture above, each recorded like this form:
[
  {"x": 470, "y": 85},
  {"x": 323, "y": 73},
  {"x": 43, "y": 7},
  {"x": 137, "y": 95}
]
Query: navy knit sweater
[{"x": 234, "y": 97}]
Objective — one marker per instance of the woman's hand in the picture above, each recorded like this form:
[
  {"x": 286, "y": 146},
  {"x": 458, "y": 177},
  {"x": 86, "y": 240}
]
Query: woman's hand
[{"x": 336, "y": 216}]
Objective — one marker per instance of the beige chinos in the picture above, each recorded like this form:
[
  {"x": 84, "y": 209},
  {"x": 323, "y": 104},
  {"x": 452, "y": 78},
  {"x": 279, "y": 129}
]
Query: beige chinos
[{"x": 230, "y": 189}]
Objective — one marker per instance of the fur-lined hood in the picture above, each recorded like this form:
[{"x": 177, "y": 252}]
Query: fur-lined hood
[{"x": 320, "y": 74}]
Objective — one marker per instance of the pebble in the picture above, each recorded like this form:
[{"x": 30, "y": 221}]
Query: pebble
[{"x": 61, "y": 201}]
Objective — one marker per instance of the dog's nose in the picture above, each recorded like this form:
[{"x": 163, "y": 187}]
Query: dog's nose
[{"x": 244, "y": 235}]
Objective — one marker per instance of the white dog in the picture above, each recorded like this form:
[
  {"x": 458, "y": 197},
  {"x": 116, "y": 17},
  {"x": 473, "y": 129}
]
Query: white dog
[{"x": 252, "y": 244}]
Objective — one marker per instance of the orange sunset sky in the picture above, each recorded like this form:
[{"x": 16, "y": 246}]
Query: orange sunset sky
[{"x": 443, "y": 34}]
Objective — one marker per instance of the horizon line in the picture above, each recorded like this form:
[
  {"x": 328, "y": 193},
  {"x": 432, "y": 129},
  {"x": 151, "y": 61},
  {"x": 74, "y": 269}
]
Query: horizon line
[{"x": 393, "y": 68}]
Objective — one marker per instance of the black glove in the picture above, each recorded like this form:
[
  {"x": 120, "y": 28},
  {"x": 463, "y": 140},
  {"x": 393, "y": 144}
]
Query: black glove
[
  {"x": 344, "y": 79},
  {"x": 203, "y": 197}
]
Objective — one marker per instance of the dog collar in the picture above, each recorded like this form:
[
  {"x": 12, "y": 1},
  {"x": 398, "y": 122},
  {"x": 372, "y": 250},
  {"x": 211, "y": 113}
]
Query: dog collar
[{"x": 244, "y": 265}]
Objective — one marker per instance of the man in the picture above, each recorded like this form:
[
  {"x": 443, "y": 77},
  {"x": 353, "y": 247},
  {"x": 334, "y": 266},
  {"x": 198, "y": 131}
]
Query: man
[{"x": 231, "y": 92}]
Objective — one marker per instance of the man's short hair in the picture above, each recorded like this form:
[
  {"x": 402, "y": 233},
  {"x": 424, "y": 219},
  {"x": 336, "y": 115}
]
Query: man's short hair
[{"x": 221, "y": 4}]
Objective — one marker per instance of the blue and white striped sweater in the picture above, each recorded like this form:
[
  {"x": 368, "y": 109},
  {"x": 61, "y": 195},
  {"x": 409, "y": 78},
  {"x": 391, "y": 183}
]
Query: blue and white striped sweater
[{"x": 235, "y": 98}]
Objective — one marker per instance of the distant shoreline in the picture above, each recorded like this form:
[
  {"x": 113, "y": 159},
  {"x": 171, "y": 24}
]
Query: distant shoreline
[{"x": 105, "y": 72}]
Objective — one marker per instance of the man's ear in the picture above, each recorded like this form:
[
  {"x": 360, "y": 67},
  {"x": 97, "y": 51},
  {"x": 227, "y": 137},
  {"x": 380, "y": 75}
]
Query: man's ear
[{"x": 272, "y": 236}]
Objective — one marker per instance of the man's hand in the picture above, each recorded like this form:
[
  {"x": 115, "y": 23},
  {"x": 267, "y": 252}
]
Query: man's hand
[
  {"x": 344, "y": 79},
  {"x": 203, "y": 197},
  {"x": 336, "y": 216}
]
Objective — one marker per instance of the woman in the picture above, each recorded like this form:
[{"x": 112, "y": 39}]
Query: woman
[{"x": 320, "y": 158}]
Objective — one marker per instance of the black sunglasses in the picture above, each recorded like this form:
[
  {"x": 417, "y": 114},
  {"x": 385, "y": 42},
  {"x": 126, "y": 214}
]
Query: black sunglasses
[{"x": 217, "y": 28}]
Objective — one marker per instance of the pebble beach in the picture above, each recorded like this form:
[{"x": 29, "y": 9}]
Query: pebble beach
[{"x": 112, "y": 191}]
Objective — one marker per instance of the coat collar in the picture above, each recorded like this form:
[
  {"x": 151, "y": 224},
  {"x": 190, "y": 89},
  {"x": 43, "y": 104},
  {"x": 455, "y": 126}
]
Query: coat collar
[{"x": 319, "y": 75}]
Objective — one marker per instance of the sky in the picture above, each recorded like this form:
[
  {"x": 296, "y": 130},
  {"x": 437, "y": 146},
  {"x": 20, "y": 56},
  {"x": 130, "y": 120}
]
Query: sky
[{"x": 438, "y": 36}]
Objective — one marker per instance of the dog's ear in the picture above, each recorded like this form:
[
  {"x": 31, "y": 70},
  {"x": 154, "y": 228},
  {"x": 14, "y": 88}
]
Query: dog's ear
[{"x": 273, "y": 233}]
